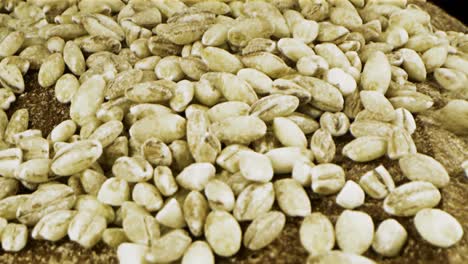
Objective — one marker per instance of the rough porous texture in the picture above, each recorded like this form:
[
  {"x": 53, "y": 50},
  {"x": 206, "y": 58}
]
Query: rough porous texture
[{"x": 45, "y": 112}]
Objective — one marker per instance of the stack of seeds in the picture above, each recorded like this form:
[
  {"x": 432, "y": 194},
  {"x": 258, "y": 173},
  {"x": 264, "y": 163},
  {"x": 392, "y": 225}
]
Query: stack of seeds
[{"x": 183, "y": 112}]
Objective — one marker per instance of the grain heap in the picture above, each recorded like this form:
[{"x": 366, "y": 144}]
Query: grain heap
[{"x": 184, "y": 114}]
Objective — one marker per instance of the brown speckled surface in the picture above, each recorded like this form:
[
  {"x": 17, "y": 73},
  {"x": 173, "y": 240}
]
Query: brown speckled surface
[
  {"x": 444, "y": 146},
  {"x": 44, "y": 110}
]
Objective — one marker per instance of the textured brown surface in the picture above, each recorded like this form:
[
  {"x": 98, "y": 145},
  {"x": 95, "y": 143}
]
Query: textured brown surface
[
  {"x": 44, "y": 110},
  {"x": 447, "y": 148}
]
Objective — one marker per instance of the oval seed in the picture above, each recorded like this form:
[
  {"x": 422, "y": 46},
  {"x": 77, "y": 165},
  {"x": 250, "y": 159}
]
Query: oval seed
[
  {"x": 255, "y": 166},
  {"x": 51, "y": 70},
  {"x": 413, "y": 65},
  {"x": 169, "y": 68},
  {"x": 63, "y": 131},
  {"x": 400, "y": 144},
  {"x": 376, "y": 103},
  {"x": 354, "y": 231},
  {"x": 107, "y": 132},
  {"x": 6, "y": 98},
  {"x": 335, "y": 123},
  {"x": 156, "y": 152},
  {"x": 288, "y": 133},
  {"x": 377, "y": 183},
  {"x": 91, "y": 204},
  {"x": 241, "y": 129},
  {"x": 302, "y": 172},
  {"x": 266, "y": 62},
  {"x": 351, "y": 196},
  {"x": 219, "y": 195},
  {"x": 165, "y": 127},
  {"x": 341, "y": 80},
  {"x": 132, "y": 169},
  {"x": 305, "y": 30},
  {"x": 256, "y": 199},
  {"x": 409, "y": 198},
  {"x": 228, "y": 159},
  {"x": 284, "y": 158},
  {"x": 53, "y": 226},
  {"x": 377, "y": 74},
  {"x": 312, "y": 66},
  {"x": 18, "y": 123},
  {"x": 389, "y": 238},
  {"x": 317, "y": 234},
  {"x": 420, "y": 167},
  {"x": 292, "y": 198},
  {"x": 327, "y": 178},
  {"x": 141, "y": 229},
  {"x": 14, "y": 237},
  {"x": 164, "y": 180},
  {"x": 438, "y": 227},
  {"x": 86, "y": 229},
  {"x": 365, "y": 149},
  {"x": 132, "y": 253},
  {"x": 247, "y": 29},
  {"x": 73, "y": 58},
  {"x": 150, "y": 92},
  {"x": 264, "y": 230},
  {"x": 87, "y": 99},
  {"x": 114, "y": 192},
  {"x": 148, "y": 196},
  {"x": 323, "y": 146},
  {"x": 223, "y": 233},
  {"x": 449, "y": 79},
  {"x": 196, "y": 176},
  {"x": 260, "y": 82},
  {"x": 171, "y": 215},
  {"x": 66, "y": 87},
  {"x": 294, "y": 49},
  {"x": 216, "y": 35},
  {"x": 35, "y": 170},
  {"x": 228, "y": 109},
  {"x": 220, "y": 60},
  {"x": 276, "y": 105},
  {"x": 198, "y": 252},
  {"x": 44, "y": 200},
  {"x": 195, "y": 210}
]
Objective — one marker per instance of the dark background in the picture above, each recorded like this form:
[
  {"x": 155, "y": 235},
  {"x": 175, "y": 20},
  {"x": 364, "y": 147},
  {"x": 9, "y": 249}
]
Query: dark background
[{"x": 456, "y": 8}]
